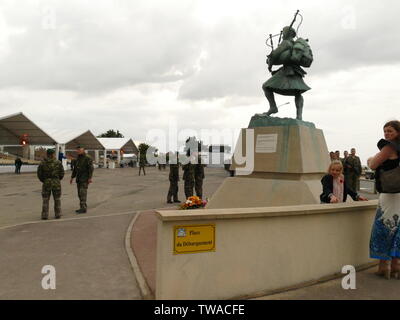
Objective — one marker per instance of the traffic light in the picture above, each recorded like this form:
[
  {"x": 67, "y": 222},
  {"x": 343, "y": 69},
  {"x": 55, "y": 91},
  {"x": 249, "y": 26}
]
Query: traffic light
[{"x": 23, "y": 140}]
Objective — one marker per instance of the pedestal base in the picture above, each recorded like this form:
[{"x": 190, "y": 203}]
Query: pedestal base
[
  {"x": 244, "y": 192},
  {"x": 287, "y": 160}
]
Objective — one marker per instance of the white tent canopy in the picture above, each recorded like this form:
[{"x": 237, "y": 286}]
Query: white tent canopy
[
  {"x": 14, "y": 126},
  {"x": 127, "y": 145},
  {"x": 72, "y": 140}
]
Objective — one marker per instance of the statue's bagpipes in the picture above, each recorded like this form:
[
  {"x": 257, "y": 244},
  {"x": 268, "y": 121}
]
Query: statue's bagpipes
[
  {"x": 271, "y": 45},
  {"x": 300, "y": 54}
]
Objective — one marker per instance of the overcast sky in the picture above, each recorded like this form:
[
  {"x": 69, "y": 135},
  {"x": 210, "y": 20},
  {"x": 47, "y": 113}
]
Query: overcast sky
[{"x": 147, "y": 65}]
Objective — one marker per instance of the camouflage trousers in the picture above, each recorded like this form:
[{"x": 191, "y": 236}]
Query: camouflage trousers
[
  {"x": 173, "y": 191},
  {"x": 353, "y": 182},
  {"x": 46, "y": 194},
  {"x": 198, "y": 186},
  {"x": 189, "y": 185},
  {"x": 82, "y": 194}
]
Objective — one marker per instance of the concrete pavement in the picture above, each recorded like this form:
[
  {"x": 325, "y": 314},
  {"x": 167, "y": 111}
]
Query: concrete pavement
[
  {"x": 88, "y": 255},
  {"x": 368, "y": 287},
  {"x": 113, "y": 191},
  {"x": 88, "y": 251}
]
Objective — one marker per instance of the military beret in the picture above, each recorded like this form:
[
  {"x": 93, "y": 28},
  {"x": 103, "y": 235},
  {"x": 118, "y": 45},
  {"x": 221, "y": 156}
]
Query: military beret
[{"x": 51, "y": 151}]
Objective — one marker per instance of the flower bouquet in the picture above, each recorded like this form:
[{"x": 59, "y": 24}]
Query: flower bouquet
[{"x": 193, "y": 202}]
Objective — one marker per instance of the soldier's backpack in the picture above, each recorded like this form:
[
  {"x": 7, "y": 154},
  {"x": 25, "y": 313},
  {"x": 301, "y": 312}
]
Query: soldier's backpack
[{"x": 302, "y": 53}]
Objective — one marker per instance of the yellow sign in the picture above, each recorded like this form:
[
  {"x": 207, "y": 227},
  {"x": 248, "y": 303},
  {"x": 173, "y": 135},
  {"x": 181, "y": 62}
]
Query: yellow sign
[{"x": 194, "y": 239}]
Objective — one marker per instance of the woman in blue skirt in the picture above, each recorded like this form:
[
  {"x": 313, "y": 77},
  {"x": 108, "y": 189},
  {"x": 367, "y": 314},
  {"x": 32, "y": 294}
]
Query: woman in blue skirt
[{"x": 385, "y": 236}]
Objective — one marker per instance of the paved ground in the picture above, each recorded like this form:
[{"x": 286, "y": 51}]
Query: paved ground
[
  {"x": 144, "y": 245},
  {"x": 112, "y": 191},
  {"x": 24, "y": 168},
  {"x": 368, "y": 287},
  {"x": 87, "y": 251},
  {"x": 88, "y": 255}
]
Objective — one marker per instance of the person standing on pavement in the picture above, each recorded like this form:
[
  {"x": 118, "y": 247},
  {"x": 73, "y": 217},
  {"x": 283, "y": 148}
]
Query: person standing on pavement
[
  {"x": 83, "y": 172},
  {"x": 199, "y": 177},
  {"x": 353, "y": 165},
  {"x": 385, "y": 234},
  {"x": 188, "y": 178},
  {"x": 173, "y": 182},
  {"x": 18, "y": 165},
  {"x": 142, "y": 163},
  {"x": 343, "y": 160},
  {"x": 50, "y": 172}
]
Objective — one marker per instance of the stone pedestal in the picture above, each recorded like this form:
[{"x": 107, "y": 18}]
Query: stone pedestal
[{"x": 285, "y": 161}]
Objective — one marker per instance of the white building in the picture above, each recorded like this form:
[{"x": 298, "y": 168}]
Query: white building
[{"x": 117, "y": 147}]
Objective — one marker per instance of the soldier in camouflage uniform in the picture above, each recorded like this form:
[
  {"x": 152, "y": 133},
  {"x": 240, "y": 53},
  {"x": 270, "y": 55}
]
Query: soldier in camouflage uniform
[
  {"x": 142, "y": 163},
  {"x": 173, "y": 183},
  {"x": 173, "y": 178},
  {"x": 198, "y": 178},
  {"x": 353, "y": 172},
  {"x": 188, "y": 178},
  {"x": 83, "y": 171},
  {"x": 50, "y": 172}
]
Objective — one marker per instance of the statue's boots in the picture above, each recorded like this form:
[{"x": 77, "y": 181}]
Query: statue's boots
[{"x": 272, "y": 110}]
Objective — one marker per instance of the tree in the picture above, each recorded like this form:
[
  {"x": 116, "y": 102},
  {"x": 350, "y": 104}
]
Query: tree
[
  {"x": 111, "y": 134},
  {"x": 143, "y": 149}
]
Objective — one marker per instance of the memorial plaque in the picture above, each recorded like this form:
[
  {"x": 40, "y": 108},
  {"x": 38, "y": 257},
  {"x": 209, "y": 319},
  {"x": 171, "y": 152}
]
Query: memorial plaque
[
  {"x": 266, "y": 143},
  {"x": 194, "y": 238}
]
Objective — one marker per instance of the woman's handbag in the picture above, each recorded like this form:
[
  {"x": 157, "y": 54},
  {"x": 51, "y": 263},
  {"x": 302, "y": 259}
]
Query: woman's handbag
[{"x": 390, "y": 180}]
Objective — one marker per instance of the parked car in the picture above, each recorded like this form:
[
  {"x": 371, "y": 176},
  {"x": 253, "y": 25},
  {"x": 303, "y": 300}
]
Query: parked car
[{"x": 369, "y": 174}]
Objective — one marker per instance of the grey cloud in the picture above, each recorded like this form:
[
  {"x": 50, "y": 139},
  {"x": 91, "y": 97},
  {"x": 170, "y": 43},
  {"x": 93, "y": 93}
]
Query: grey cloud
[
  {"x": 101, "y": 51},
  {"x": 114, "y": 44},
  {"x": 343, "y": 36}
]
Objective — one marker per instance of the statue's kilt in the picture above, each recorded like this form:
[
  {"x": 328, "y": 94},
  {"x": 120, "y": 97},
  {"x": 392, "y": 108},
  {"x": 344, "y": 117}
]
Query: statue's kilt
[{"x": 287, "y": 81}]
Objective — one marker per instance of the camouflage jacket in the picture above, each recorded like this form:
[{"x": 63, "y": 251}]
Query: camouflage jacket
[
  {"x": 188, "y": 172},
  {"x": 142, "y": 160},
  {"x": 199, "y": 171},
  {"x": 83, "y": 169},
  {"x": 173, "y": 172},
  {"x": 50, "y": 172},
  {"x": 353, "y": 165}
]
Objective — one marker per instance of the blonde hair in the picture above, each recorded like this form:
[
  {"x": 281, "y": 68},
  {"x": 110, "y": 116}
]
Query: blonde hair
[{"x": 335, "y": 163}]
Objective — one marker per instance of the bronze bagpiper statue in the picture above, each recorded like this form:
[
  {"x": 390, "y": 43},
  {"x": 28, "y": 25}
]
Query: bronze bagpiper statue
[{"x": 288, "y": 79}]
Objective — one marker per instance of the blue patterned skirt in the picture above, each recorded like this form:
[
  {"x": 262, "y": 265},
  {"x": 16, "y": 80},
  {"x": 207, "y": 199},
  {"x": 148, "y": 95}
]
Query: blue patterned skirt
[{"x": 385, "y": 236}]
